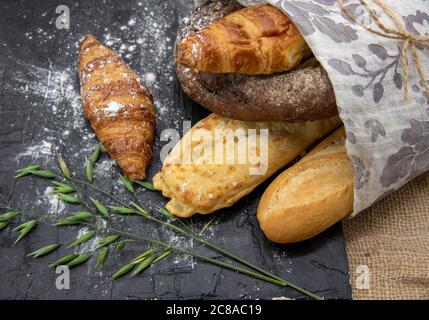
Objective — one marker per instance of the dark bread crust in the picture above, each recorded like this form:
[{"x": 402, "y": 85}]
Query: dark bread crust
[{"x": 300, "y": 95}]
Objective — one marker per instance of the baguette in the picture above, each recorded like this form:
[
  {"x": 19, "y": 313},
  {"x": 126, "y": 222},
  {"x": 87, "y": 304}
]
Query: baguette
[
  {"x": 203, "y": 187},
  {"x": 310, "y": 196},
  {"x": 256, "y": 40}
]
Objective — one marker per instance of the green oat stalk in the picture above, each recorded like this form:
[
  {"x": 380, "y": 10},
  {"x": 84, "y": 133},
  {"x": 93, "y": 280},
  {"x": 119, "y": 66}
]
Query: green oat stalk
[
  {"x": 76, "y": 218},
  {"x": 25, "y": 229},
  {"x": 69, "y": 198},
  {"x": 63, "y": 166},
  {"x": 3, "y": 224},
  {"x": 144, "y": 265},
  {"x": 82, "y": 239},
  {"x": 63, "y": 188},
  {"x": 64, "y": 260},
  {"x": 101, "y": 208},
  {"x": 123, "y": 210},
  {"x": 27, "y": 170},
  {"x": 142, "y": 256},
  {"x": 106, "y": 241},
  {"x": 44, "y": 250},
  {"x": 127, "y": 183},
  {"x": 123, "y": 271},
  {"x": 9, "y": 215},
  {"x": 96, "y": 154},
  {"x": 145, "y": 184},
  {"x": 89, "y": 170},
  {"x": 44, "y": 174},
  {"x": 80, "y": 259},
  {"x": 102, "y": 257},
  {"x": 165, "y": 213}
]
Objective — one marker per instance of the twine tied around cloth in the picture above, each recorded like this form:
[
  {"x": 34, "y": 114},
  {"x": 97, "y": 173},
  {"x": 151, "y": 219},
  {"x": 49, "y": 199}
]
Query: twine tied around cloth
[{"x": 409, "y": 40}]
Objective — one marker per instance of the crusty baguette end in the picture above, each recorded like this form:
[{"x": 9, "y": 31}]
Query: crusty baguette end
[{"x": 310, "y": 196}]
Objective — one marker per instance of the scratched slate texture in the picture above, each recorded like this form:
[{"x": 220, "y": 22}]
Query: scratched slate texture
[{"x": 319, "y": 265}]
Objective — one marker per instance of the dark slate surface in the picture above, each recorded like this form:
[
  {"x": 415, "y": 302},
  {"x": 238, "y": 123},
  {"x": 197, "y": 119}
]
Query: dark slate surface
[{"x": 38, "y": 91}]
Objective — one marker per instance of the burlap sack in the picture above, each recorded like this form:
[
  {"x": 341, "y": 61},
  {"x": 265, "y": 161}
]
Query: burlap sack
[{"x": 392, "y": 239}]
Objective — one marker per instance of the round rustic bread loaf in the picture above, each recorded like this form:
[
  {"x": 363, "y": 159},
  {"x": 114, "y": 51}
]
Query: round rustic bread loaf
[{"x": 300, "y": 95}]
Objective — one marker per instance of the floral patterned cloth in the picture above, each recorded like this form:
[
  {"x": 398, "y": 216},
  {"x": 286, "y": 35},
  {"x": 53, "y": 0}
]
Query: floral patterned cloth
[{"x": 387, "y": 136}]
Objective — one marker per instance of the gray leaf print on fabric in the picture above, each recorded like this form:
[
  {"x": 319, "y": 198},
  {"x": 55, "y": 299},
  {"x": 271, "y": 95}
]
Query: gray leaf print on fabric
[
  {"x": 420, "y": 164},
  {"x": 397, "y": 80},
  {"x": 310, "y": 15},
  {"x": 398, "y": 166},
  {"x": 341, "y": 66},
  {"x": 417, "y": 135},
  {"x": 374, "y": 78},
  {"x": 418, "y": 19},
  {"x": 377, "y": 92},
  {"x": 350, "y": 135},
  {"x": 375, "y": 128},
  {"x": 361, "y": 174},
  {"x": 379, "y": 51},
  {"x": 409, "y": 161},
  {"x": 336, "y": 31},
  {"x": 359, "y": 60},
  {"x": 312, "y": 7},
  {"x": 301, "y": 18},
  {"x": 358, "y": 90}
]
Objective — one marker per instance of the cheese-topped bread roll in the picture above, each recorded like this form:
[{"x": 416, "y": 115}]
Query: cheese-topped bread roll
[{"x": 205, "y": 184}]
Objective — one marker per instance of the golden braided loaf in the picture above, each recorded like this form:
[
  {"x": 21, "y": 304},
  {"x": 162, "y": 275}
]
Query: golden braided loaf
[
  {"x": 254, "y": 40},
  {"x": 118, "y": 105}
]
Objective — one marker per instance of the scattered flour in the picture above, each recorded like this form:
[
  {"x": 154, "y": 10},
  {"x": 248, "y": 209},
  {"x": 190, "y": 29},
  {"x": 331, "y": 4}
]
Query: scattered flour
[
  {"x": 55, "y": 206},
  {"x": 105, "y": 167},
  {"x": 90, "y": 244},
  {"x": 42, "y": 149},
  {"x": 149, "y": 77},
  {"x": 280, "y": 257},
  {"x": 180, "y": 260},
  {"x": 52, "y": 88},
  {"x": 132, "y": 22}
]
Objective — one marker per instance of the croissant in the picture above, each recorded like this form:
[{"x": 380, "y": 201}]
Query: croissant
[
  {"x": 254, "y": 40},
  {"x": 118, "y": 105}
]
